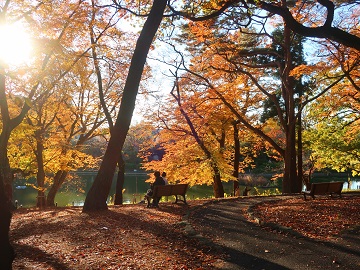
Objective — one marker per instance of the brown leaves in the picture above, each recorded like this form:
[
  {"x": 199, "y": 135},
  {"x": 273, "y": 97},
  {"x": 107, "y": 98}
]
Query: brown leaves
[
  {"x": 322, "y": 218},
  {"x": 126, "y": 237}
]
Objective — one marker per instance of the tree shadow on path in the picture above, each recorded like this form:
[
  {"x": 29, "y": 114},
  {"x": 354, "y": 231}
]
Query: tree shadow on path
[{"x": 250, "y": 246}]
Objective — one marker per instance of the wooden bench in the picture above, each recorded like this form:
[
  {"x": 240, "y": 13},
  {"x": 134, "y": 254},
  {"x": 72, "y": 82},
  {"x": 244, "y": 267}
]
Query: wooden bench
[
  {"x": 324, "y": 188},
  {"x": 169, "y": 190}
]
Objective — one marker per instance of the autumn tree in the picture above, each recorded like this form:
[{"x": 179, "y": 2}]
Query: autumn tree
[
  {"x": 92, "y": 110},
  {"x": 202, "y": 140},
  {"x": 111, "y": 54},
  {"x": 198, "y": 136},
  {"x": 99, "y": 191},
  {"x": 225, "y": 59},
  {"x": 206, "y": 11},
  {"x": 85, "y": 118},
  {"x": 288, "y": 101},
  {"x": 49, "y": 52},
  {"x": 315, "y": 19},
  {"x": 80, "y": 119},
  {"x": 332, "y": 120},
  {"x": 137, "y": 135}
]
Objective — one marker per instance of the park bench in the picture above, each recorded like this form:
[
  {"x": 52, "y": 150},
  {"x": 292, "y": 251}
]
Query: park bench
[
  {"x": 324, "y": 188},
  {"x": 169, "y": 190}
]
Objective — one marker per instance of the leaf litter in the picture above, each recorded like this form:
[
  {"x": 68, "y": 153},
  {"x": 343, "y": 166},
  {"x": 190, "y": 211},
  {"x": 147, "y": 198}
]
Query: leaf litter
[
  {"x": 136, "y": 237},
  {"x": 324, "y": 218}
]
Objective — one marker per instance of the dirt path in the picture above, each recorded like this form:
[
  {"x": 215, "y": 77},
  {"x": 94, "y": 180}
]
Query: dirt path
[{"x": 273, "y": 247}]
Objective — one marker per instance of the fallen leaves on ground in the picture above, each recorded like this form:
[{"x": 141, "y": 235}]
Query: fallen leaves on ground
[
  {"x": 323, "y": 218},
  {"x": 125, "y": 237},
  {"x": 136, "y": 237}
]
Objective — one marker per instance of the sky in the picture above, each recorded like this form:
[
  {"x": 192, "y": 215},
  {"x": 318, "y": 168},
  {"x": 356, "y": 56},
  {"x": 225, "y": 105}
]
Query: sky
[{"x": 15, "y": 45}]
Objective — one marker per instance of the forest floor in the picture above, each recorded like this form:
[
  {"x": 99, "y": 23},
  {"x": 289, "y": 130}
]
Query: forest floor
[{"x": 137, "y": 237}]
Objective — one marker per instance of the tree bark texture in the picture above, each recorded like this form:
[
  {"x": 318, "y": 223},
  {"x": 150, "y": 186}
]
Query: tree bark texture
[
  {"x": 5, "y": 171},
  {"x": 120, "y": 182},
  {"x": 7, "y": 254},
  {"x": 99, "y": 191},
  {"x": 40, "y": 175},
  {"x": 300, "y": 163},
  {"x": 290, "y": 171},
  {"x": 217, "y": 184},
  {"x": 236, "y": 155},
  {"x": 59, "y": 179}
]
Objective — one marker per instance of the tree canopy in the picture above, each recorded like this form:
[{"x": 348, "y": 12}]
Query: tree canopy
[{"x": 228, "y": 64}]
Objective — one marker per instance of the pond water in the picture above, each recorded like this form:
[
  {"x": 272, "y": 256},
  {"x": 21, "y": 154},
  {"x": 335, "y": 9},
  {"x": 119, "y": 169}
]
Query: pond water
[
  {"x": 354, "y": 185},
  {"x": 135, "y": 188}
]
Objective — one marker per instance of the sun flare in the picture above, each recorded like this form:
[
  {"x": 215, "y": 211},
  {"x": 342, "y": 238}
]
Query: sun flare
[{"x": 15, "y": 44}]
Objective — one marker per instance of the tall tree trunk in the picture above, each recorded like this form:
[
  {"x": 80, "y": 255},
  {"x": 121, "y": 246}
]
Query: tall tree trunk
[
  {"x": 236, "y": 155},
  {"x": 99, "y": 191},
  {"x": 59, "y": 179},
  {"x": 120, "y": 182},
  {"x": 40, "y": 175},
  {"x": 288, "y": 86},
  {"x": 8, "y": 125},
  {"x": 6, "y": 250},
  {"x": 290, "y": 170},
  {"x": 301, "y": 178},
  {"x": 217, "y": 184},
  {"x": 121, "y": 165},
  {"x": 5, "y": 171}
]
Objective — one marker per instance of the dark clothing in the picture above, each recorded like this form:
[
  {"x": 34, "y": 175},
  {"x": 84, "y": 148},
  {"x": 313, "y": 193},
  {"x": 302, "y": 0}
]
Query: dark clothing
[{"x": 159, "y": 181}]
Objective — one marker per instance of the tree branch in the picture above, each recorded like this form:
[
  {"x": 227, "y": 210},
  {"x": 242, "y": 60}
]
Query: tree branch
[{"x": 324, "y": 31}]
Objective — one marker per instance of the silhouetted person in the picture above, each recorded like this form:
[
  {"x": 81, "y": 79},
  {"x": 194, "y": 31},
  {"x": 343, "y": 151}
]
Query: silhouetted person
[
  {"x": 246, "y": 191},
  {"x": 159, "y": 181},
  {"x": 163, "y": 175}
]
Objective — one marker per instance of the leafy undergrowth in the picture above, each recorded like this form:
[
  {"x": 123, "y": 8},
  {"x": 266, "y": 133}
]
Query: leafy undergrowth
[{"x": 323, "y": 218}]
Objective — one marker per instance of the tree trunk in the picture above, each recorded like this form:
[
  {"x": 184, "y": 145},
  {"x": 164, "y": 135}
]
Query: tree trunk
[
  {"x": 40, "y": 175},
  {"x": 300, "y": 150},
  {"x": 217, "y": 185},
  {"x": 120, "y": 182},
  {"x": 6, "y": 175},
  {"x": 288, "y": 86},
  {"x": 99, "y": 191},
  {"x": 59, "y": 179},
  {"x": 290, "y": 170},
  {"x": 236, "y": 156},
  {"x": 8, "y": 125},
  {"x": 5, "y": 171},
  {"x": 7, "y": 254}
]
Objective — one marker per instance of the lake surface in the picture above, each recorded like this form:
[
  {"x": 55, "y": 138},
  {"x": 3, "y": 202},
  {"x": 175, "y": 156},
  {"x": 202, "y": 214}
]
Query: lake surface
[{"x": 135, "y": 188}]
